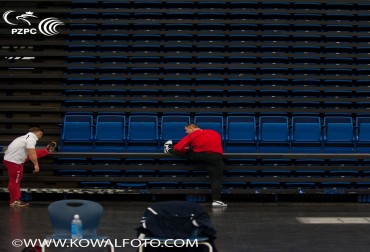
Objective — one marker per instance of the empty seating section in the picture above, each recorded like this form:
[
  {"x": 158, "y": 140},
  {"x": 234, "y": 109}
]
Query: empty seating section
[{"x": 176, "y": 39}]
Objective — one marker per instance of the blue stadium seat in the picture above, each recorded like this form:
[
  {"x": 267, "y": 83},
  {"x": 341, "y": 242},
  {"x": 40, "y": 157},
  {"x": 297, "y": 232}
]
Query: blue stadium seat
[
  {"x": 85, "y": 15},
  {"x": 146, "y": 48},
  {"x": 306, "y": 134},
  {"x": 177, "y": 48},
  {"x": 307, "y": 5},
  {"x": 107, "y": 4},
  {"x": 112, "y": 59},
  {"x": 113, "y": 48},
  {"x": 178, "y": 27},
  {"x": 179, "y": 4},
  {"x": 142, "y": 134},
  {"x": 110, "y": 133},
  {"x": 84, "y": 4},
  {"x": 81, "y": 48},
  {"x": 105, "y": 173},
  {"x": 362, "y": 134},
  {"x": 241, "y": 134},
  {"x": 113, "y": 37},
  {"x": 77, "y": 133},
  {"x": 111, "y": 93},
  {"x": 114, "y": 15},
  {"x": 244, "y": 4},
  {"x": 306, "y": 16},
  {"x": 212, "y": 15},
  {"x": 338, "y": 49},
  {"x": 118, "y": 26},
  {"x": 300, "y": 185},
  {"x": 83, "y": 37},
  {"x": 112, "y": 70},
  {"x": 306, "y": 39},
  {"x": 338, "y": 134},
  {"x": 80, "y": 70},
  {"x": 306, "y": 82},
  {"x": 247, "y": 15},
  {"x": 78, "y": 103},
  {"x": 112, "y": 81},
  {"x": 81, "y": 59},
  {"x": 273, "y": 135},
  {"x": 211, "y": 27},
  {"x": 265, "y": 185},
  {"x": 147, "y": 26},
  {"x": 79, "y": 93}
]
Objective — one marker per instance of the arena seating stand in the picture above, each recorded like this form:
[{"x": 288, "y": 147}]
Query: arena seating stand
[{"x": 285, "y": 83}]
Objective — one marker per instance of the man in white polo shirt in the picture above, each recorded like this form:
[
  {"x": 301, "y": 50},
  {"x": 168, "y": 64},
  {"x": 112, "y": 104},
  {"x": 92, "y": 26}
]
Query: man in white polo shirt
[{"x": 18, "y": 151}]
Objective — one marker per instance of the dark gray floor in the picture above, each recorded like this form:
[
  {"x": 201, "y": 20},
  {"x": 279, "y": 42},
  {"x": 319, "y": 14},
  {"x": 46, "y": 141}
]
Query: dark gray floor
[{"x": 242, "y": 227}]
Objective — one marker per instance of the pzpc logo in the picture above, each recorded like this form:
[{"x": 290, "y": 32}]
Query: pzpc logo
[{"x": 46, "y": 26}]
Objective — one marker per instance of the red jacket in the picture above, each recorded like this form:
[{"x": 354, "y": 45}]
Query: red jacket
[{"x": 201, "y": 141}]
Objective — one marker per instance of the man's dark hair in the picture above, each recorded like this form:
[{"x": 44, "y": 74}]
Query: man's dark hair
[{"x": 35, "y": 129}]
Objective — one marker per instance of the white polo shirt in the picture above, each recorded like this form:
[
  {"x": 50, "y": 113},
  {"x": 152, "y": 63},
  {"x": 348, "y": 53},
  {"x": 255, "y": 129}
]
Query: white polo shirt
[{"x": 17, "y": 150}]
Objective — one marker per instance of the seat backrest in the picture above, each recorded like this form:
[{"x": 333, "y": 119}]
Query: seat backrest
[
  {"x": 110, "y": 128},
  {"x": 306, "y": 129},
  {"x": 273, "y": 129},
  {"x": 173, "y": 127},
  {"x": 363, "y": 129},
  {"x": 338, "y": 129},
  {"x": 62, "y": 212},
  {"x": 77, "y": 128},
  {"x": 241, "y": 128},
  {"x": 77, "y": 131},
  {"x": 142, "y": 128}
]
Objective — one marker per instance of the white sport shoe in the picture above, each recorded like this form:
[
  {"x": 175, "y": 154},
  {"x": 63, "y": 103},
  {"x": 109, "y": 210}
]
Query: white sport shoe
[
  {"x": 19, "y": 203},
  {"x": 167, "y": 146},
  {"x": 218, "y": 203}
]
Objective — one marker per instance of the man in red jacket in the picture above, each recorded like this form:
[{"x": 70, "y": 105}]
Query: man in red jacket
[{"x": 205, "y": 147}]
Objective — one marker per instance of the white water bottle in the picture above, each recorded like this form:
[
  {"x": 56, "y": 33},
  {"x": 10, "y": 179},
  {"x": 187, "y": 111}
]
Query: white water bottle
[{"x": 76, "y": 227}]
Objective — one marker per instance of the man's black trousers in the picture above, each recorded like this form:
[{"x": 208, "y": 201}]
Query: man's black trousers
[{"x": 213, "y": 163}]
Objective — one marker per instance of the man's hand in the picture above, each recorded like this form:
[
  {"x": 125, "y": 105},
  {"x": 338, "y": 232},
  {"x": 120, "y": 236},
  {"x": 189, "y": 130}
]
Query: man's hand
[{"x": 36, "y": 168}]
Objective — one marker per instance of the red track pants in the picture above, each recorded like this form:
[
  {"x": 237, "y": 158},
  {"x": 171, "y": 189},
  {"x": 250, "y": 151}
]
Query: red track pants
[{"x": 15, "y": 173}]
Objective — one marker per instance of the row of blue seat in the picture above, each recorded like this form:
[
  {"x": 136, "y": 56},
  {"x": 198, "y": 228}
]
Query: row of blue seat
[
  {"x": 213, "y": 38},
  {"x": 231, "y": 185},
  {"x": 248, "y": 173},
  {"x": 296, "y": 71},
  {"x": 228, "y": 185},
  {"x": 155, "y": 47},
  {"x": 227, "y": 81},
  {"x": 217, "y": 59},
  {"x": 144, "y": 133},
  {"x": 219, "y": 4}
]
